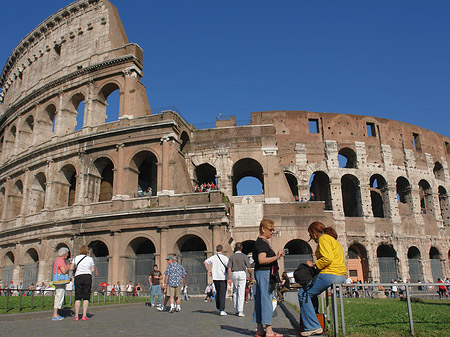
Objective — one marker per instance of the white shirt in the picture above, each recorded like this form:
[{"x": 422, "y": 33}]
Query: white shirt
[
  {"x": 83, "y": 267},
  {"x": 218, "y": 268}
]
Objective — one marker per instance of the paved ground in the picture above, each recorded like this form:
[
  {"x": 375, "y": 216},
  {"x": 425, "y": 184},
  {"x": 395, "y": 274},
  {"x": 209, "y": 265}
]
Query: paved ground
[{"x": 196, "y": 318}]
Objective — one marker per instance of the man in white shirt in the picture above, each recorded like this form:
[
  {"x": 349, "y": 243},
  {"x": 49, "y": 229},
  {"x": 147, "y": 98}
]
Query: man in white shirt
[{"x": 216, "y": 267}]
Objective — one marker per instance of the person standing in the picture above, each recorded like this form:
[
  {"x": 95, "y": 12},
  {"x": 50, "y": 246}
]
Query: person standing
[
  {"x": 84, "y": 266},
  {"x": 60, "y": 267},
  {"x": 238, "y": 265},
  {"x": 266, "y": 265},
  {"x": 155, "y": 286},
  {"x": 174, "y": 278},
  {"x": 331, "y": 266},
  {"x": 129, "y": 288},
  {"x": 216, "y": 267}
]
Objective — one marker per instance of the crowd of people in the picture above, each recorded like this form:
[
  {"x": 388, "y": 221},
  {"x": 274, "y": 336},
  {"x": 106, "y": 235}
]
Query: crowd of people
[{"x": 205, "y": 187}]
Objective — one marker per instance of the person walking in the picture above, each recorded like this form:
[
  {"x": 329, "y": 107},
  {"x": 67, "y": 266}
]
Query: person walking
[
  {"x": 174, "y": 278},
  {"x": 238, "y": 265},
  {"x": 155, "y": 283},
  {"x": 216, "y": 267},
  {"x": 331, "y": 266},
  {"x": 266, "y": 264},
  {"x": 84, "y": 266},
  {"x": 60, "y": 267}
]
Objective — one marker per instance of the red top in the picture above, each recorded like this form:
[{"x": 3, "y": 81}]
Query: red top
[{"x": 60, "y": 263}]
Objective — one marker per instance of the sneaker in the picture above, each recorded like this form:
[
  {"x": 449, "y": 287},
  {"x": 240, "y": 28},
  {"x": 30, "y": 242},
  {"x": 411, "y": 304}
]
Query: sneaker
[
  {"x": 153, "y": 305},
  {"x": 76, "y": 318},
  {"x": 85, "y": 318},
  {"x": 311, "y": 332},
  {"x": 241, "y": 314},
  {"x": 205, "y": 301},
  {"x": 160, "y": 308},
  {"x": 178, "y": 309},
  {"x": 222, "y": 313},
  {"x": 57, "y": 318},
  {"x": 172, "y": 310}
]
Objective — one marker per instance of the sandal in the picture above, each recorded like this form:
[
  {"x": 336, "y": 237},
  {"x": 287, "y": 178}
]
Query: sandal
[{"x": 275, "y": 335}]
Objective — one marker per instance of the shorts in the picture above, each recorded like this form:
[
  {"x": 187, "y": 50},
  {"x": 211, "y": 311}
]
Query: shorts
[
  {"x": 83, "y": 284},
  {"x": 173, "y": 291}
]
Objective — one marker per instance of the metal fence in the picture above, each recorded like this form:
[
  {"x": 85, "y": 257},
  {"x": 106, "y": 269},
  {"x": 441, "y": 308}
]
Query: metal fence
[
  {"x": 291, "y": 261},
  {"x": 196, "y": 277}
]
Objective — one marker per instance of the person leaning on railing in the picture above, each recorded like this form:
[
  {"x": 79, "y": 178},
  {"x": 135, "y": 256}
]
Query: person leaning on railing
[{"x": 331, "y": 266}]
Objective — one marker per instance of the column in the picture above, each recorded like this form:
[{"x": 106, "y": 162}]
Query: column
[{"x": 163, "y": 233}]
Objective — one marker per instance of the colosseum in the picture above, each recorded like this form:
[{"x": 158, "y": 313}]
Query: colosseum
[{"x": 127, "y": 188}]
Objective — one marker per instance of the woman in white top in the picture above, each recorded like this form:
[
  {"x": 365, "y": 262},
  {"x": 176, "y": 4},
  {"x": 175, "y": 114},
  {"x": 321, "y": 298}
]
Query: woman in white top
[{"x": 84, "y": 266}]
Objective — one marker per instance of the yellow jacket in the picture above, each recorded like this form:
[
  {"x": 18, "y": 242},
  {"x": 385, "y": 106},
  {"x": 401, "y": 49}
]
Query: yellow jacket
[{"x": 330, "y": 256}]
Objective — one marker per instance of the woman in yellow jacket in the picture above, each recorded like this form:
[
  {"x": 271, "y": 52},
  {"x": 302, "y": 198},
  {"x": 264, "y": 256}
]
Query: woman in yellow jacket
[{"x": 331, "y": 265}]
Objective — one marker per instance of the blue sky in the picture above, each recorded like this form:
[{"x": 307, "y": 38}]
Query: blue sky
[{"x": 380, "y": 58}]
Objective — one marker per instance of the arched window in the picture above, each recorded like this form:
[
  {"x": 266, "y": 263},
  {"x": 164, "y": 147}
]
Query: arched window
[
  {"x": 426, "y": 197},
  {"x": 205, "y": 174},
  {"x": 404, "y": 197},
  {"x": 415, "y": 265},
  {"x": 347, "y": 158},
  {"x": 69, "y": 185},
  {"x": 102, "y": 180},
  {"x": 293, "y": 183},
  {"x": 37, "y": 194},
  {"x": 79, "y": 106},
  {"x": 358, "y": 267},
  {"x": 351, "y": 196},
  {"x": 444, "y": 205},
  {"x": 110, "y": 94},
  {"x": 387, "y": 262},
  {"x": 184, "y": 141},
  {"x": 145, "y": 163},
  {"x": 438, "y": 171},
  {"x": 248, "y": 177},
  {"x": 319, "y": 189},
  {"x": 379, "y": 196}
]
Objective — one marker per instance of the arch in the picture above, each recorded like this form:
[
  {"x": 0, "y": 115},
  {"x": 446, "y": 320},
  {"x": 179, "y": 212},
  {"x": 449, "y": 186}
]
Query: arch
[
  {"x": 185, "y": 140},
  {"x": 109, "y": 109},
  {"x": 436, "y": 265},
  {"x": 426, "y": 197},
  {"x": 192, "y": 249},
  {"x": 244, "y": 168},
  {"x": 62, "y": 245},
  {"x": 404, "y": 196},
  {"x": 8, "y": 267},
  {"x": 2, "y": 201},
  {"x": 145, "y": 175},
  {"x": 299, "y": 251},
  {"x": 387, "y": 263},
  {"x": 99, "y": 252},
  {"x": 101, "y": 180},
  {"x": 15, "y": 198},
  {"x": 37, "y": 193},
  {"x": 141, "y": 258},
  {"x": 69, "y": 180},
  {"x": 293, "y": 183},
  {"x": 415, "y": 265},
  {"x": 47, "y": 122},
  {"x": 31, "y": 268},
  {"x": 444, "y": 205},
  {"x": 351, "y": 196},
  {"x": 358, "y": 266},
  {"x": 205, "y": 174},
  {"x": 248, "y": 246},
  {"x": 438, "y": 171},
  {"x": 78, "y": 103},
  {"x": 319, "y": 188},
  {"x": 379, "y": 196},
  {"x": 347, "y": 158},
  {"x": 26, "y": 135}
]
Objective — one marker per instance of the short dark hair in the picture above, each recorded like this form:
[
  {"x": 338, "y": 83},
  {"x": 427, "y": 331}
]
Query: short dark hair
[
  {"x": 219, "y": 248},
  {"x": 155, "y": 265},
  {"x": 238, "y": 246}
]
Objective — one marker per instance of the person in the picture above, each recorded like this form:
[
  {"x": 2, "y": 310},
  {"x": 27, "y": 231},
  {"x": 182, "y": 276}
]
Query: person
[
  {"x": 154, "y": 280},
  {"x": 266, "y": 267},
  {"x": 129, "y": 288},
  {"x": 216, "y": 267},
  {"x": 184, "y": 290},
  {"x": 331, "y": 266},
  {"x": 60, "y": 267},
  {"x": 284, "y": 286},
  {"x": 164, "y": 290},
  {"x": 237, "y": 266},
  {"x": 209, "y": 292},
  {"x": 442, "y": 290},
  {"x": 174, "y": 278},
  {"x": 138, "y": 289},
  {"x": 84, "y": 265},
  {"x": 117, "y": 288}
]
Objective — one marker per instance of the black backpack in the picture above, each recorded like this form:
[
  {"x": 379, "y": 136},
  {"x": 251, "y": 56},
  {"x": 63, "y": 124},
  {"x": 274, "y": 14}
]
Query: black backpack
[{"x": 305, "y": 275}]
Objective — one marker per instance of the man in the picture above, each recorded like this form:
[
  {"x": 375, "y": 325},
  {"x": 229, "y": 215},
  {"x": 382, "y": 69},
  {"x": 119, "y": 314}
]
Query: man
[
  {"x": 237, "y": 267},
  {"x": 216, "y": 267},
  {"x": 155, "y": 283},
  {"x": 129, "y": 288},
  {"x": 174, "y": 279}
]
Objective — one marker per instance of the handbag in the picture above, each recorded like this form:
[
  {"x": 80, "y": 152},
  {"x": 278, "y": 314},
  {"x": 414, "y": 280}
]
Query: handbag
[{"x": 60, "y": 279}]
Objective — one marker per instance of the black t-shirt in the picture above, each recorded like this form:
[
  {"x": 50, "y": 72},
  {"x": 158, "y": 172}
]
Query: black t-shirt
[{"x": 262, "y": 246}]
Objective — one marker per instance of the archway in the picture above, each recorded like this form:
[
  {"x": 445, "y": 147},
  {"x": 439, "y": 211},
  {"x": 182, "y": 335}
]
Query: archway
[
  {"x": 347, "y": 158},
  {"x": 145, "y": 163},
  {"x": 435, "y": 262},
  {"x": 102, "y": 180},
  {"x": 438, "y": 171},
  {"x": 379, "y": 196},
  {"x": 78, "y": 102},
  {"x": 69, "y": 180},
  {"x": 387, "y": 262},
  {"x": 193, "y": 253},
  {"x": 415, "y": 265},
  {"x": 251, "y": 171},
  {"x": 351, "y": 196},
  {"x": 99, "y": 252},
  {"x": 299, "y": 251},
  {"x": 206, "y": 174},
  {"x": 444, "y": 205},
  {"x": 404, "y": 197},
  {"x": 319, "y": 189},
  {"x": 184, "y": 141},
  {"x": 8, "y": 267},
  {"x": 426, "y": 197},
  {"x": 37, "y": 195},
  {"x": 141, "y": 258},
  {"x": 358, "y": 267},
  {"x": 31, "y": 268}
]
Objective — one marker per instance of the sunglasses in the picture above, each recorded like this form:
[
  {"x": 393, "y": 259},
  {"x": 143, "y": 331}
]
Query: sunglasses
[{"x": 270, "y": 229}]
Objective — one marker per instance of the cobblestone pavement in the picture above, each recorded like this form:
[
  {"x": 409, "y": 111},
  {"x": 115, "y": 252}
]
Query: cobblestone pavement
[{"x": 196, "y": 318}]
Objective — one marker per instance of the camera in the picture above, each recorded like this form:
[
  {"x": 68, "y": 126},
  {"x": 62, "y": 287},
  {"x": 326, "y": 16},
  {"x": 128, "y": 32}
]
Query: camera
[{"x": 286, "y": 251}]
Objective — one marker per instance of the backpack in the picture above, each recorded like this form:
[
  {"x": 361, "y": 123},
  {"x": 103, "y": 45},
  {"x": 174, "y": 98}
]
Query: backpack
[{"x": 304, "y": 274}]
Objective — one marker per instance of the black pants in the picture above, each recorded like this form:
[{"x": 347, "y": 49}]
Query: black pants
[{"x": 221, "y": 292}]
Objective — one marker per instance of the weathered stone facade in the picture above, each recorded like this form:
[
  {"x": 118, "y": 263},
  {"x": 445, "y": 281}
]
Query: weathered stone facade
[{"x": 382, "y": 184}]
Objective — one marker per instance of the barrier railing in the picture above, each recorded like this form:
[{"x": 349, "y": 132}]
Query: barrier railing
[{"x": 31, "y": 299}]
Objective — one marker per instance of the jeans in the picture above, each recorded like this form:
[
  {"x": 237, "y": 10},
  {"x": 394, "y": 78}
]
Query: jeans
[
  {"x": 155, "y": 290},
  {"x": 221, "y": 292},
  {"x": 307, "y": 296},
  {"x": 239, "y": 278},
  {"x": 263, "y": 310}
]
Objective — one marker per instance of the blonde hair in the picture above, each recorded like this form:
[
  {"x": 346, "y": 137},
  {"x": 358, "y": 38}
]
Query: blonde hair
[
  {"x": 265, "y": 223},
  {"x": 84, "y": 250}
]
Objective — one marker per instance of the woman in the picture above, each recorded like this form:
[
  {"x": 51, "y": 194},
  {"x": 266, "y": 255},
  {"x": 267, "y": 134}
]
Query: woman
[
  {"x": 84, "y": 266},
  {"x": 284, "y": 286},
  {"x": 265, "y": 262},
  {"x": 331, "y": 266},
  {"x": 60, "y": 267}
]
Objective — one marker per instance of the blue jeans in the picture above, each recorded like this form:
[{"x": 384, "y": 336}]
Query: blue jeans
[
  {"x": 155, "y": 290},
  {"x": 305, "y": 298},
  {"x": 263, "y": 310}
]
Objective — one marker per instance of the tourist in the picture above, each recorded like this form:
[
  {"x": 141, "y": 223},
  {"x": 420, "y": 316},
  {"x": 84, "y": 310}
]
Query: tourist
[
  {"x": 331, "y": 267},
  {"x": 209, "y": 292},
  {"x": 154, "y": 280},
  {"x": 129, "y": 288},
  {"x": 60, "y": 267},
  {"x": 266, "y": 269},
  {"x": 84, "y": 266},
  {"x": 174, "y": 277},
  {"x": 238, "y": 266},
  {"x": 284, "y": 286},
  {"x": 216, "y": 267}
]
